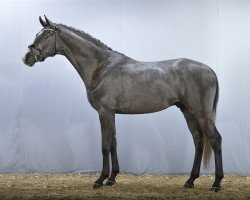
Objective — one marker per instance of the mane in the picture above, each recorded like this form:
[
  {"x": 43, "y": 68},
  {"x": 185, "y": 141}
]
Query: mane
[{"x": 86, "y": 36}]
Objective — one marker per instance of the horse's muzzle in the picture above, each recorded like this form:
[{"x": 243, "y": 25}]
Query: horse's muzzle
[{"x": 28, "y": 59}]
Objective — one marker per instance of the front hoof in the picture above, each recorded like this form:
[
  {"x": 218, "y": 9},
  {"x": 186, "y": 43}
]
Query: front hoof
[
  {"x": 188, "y": 185},
  {"x": 97, "y": 185},
  {"x": 215, "y": 189},
  {"x": 109, "y": 183}
]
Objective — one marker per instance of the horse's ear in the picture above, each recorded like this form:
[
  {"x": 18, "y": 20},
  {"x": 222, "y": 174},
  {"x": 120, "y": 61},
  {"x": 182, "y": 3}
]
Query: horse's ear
[
  {"x": 43, "y": 23},
  {"x": 49, "y": 23}
]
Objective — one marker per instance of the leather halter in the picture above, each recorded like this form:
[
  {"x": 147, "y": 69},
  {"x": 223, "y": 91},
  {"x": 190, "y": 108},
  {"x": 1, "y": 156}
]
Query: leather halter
[{"x": 41, "y": 56}]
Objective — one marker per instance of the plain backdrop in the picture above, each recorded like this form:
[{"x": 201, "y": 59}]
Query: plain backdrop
[{"x": 46, "y": 122}]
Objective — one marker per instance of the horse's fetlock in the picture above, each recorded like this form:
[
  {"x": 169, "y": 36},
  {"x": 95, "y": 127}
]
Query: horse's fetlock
[
  {"x": 194, "y": 176},
  {"x": 116, "y": 171},
  {"x": 219, "y": 177},
  {"x": 105, "y": 175}
]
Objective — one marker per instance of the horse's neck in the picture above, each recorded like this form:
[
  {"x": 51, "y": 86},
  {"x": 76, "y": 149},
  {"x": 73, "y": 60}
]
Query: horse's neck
[{"x": 84, "y": 56}]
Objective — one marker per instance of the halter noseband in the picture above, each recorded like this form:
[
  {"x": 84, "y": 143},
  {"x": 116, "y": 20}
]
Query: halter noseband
[{"x": 41, "y": 56}]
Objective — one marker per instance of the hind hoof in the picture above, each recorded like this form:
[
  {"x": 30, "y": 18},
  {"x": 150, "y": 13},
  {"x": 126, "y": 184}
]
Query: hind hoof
[
  {"x": 97, "y": 185},
  {"x": 109, "y": 183},
  {"x": 188, "y": 185},
  {"x": 215, "y": 189}
]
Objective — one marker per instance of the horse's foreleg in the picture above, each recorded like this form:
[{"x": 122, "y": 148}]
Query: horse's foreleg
[
  {"x": 196, "y": 132},
  {"x": 107, "y": 121},
  {"x": 115, "y": 164}
]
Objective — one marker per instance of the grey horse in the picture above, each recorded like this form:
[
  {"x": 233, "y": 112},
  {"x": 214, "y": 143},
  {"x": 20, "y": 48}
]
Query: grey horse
[{"x": 116, "y": 83}]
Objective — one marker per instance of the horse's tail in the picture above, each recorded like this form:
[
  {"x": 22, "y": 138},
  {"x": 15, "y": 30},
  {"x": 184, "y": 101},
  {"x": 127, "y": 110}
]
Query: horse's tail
[
  {"x": 207, "y": 145},
  {"x": 216, "y": 98}
]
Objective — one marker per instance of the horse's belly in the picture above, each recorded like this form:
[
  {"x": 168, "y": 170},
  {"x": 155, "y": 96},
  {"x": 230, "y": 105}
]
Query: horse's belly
[
  {"x": 130, "y": 110},
  {"x": 143, "y": 103}
]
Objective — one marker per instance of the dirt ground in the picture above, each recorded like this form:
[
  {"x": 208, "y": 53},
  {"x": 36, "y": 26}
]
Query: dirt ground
[{"x": 78, "y": 186}]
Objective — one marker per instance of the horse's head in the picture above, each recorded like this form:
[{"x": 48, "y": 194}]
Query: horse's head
[{"x": 45, "y": 44}]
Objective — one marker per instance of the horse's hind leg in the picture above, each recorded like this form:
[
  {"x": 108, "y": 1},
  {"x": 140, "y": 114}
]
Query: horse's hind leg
[
  {"x": 215, "y": 139},
  {"x": 195, "y": 129},
  {"x": 216, "y": 145}
]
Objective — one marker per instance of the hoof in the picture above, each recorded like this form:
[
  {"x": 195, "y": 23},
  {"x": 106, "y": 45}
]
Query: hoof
[
  {"x": 188, "y": 185},
  {"x": 97, "y": 185},
  {"x": 215, "y": 189},
  {"x": 109, "y": 183}
]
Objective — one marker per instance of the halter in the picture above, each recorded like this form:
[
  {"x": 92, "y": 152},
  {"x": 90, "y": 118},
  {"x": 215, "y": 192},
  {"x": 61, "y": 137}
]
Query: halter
[{"x": 41, "y": 56}]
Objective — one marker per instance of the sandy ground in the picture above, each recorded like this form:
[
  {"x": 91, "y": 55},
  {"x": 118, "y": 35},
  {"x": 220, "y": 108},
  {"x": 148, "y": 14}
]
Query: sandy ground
[{"x": 77, "y": 186}]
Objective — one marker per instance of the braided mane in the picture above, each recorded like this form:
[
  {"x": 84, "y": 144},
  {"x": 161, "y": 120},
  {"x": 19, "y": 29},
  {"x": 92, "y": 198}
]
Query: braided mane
[{"x": 86, "y": 36}]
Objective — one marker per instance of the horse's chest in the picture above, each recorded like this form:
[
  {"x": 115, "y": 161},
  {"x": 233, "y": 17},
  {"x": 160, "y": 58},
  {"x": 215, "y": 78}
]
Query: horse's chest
[{"x": 93, "y": 102}]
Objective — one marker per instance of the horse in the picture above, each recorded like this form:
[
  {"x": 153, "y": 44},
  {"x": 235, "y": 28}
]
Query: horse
[{"x": 117, "y": 84}]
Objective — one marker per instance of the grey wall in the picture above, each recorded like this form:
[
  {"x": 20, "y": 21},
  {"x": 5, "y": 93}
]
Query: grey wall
[{"x": 46, "y": 123}]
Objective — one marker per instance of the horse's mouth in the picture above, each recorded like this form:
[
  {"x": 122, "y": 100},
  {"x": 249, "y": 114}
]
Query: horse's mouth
[{"x": 30, "y": 64}]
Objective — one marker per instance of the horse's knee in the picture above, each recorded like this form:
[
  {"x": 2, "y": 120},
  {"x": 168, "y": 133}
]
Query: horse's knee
[{"x": 105, "y": 150}]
